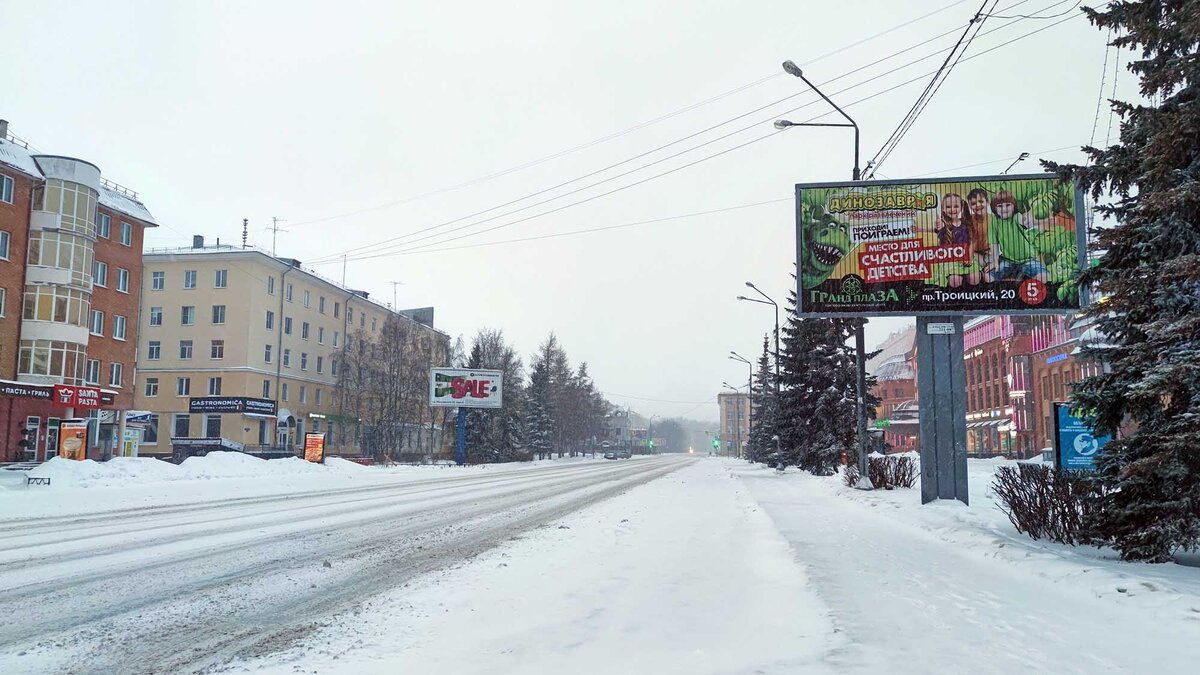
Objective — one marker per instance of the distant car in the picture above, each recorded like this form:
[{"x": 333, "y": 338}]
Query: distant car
[
  {"x": 610, "y": 455},
  {"x": 624, "y": 454}
]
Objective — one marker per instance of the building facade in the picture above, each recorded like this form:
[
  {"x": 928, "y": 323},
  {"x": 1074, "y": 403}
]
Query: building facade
[
  {"x": 70, "y": 265},
  {"x": 895, "y": 371},
  {"x": 221, "y": 322},
  {"x": 735, "y": 422},
  {"x": 1056, "y": 364}
]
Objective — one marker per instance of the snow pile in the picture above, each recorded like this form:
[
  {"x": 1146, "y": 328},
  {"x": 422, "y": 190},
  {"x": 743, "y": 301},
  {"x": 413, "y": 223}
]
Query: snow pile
[
  {"x": 126, "y": 471},
  {"x": 238, "y": 465},
  {"x": 344, "y": 465}
]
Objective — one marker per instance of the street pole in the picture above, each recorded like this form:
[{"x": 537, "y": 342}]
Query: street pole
[
  {"x": 859, "y": 335},
  {"x": 778, "y": 372},
  {"x": 460, "y": 437}
]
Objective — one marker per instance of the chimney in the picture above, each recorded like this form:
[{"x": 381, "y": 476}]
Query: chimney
[
  {"x": 3, "y": 129},
  {"x": 197, "y": 241}
]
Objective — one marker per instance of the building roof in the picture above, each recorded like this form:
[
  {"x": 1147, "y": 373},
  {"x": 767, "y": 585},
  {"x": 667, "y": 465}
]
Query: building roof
[
  {"x": 897, "y": 344},
  {"x": 898, "y": 367},
  {"x": 18, "y": 157},
  {"x": 113, "y": 196}
]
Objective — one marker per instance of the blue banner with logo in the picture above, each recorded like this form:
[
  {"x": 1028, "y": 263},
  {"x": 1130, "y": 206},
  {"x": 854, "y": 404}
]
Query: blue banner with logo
[{"x": 1075, "y": 442}]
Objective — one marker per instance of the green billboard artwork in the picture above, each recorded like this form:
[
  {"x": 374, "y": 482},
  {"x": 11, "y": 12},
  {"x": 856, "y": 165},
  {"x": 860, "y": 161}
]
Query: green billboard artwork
[{"x": 975, "y": 245}]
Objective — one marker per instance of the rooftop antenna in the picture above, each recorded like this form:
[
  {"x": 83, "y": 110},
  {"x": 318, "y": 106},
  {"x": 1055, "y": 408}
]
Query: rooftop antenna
[
  {"x": 394, "y": 285},
  {"x": 275, "y": 230},
  {"x": 245, "y": 234}
]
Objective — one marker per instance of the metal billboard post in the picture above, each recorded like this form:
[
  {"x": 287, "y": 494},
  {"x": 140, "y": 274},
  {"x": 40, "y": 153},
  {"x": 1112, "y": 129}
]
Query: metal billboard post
[
  {"x": 460, "y": 437},
  {"x": 941, "y": 381}
]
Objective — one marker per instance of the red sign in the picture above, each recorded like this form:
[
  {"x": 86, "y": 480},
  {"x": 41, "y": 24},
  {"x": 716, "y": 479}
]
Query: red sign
[{"x": 76, "y": 397}]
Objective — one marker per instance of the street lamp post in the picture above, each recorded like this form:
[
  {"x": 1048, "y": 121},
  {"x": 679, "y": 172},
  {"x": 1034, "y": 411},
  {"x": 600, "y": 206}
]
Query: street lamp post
[
  {"x": 749, "y": 392},
  {"x": 737, "y": 426},
  {"x": 859, "y": 337},
  {"x": 778, "y": 372}
]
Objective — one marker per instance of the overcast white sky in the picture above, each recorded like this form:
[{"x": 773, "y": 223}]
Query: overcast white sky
[{"x": 218, "y": 111}]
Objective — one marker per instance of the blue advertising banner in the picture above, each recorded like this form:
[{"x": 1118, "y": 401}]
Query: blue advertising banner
[{"x": 1076, "y": 446}]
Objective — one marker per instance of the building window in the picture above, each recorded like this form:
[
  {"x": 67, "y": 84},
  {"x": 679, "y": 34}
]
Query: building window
[
  {"x": 214, "y": 386},
  {"x": 92, "y": 376},
  {"x": 212, "y": 426},
  {"x": 333, "y": 366},
  {"x": 115, "y": 370},
  {"x": 320, "y": 364},
  {"x": 158, "y": 280},
  {"x": 118, "y": 327},
  {"x": 349, "y": 315},
  {"x": 317, "y": 396},
  {"x": 287, "y": 358},
  {"x": 100, "y": 273},
  {"x": 287, "y": 325},
  {"x": 156, "y": 316},
  {"x": 320, "y": 335},
  {"x": 185, "y": 349},
  {"x": 270, "y": 320},
  {"x": 283, "y": 391},
  {"x": 126, "y": 234},
  {"x": 103, "y": 225},
  {"x": 270, "y": 285},
  {"x": 288, "y": 294},
  {"x": 154, "y": 351},
  {"x": 307, "y": 299},
  {"x": 217, "y": 350},
  {"x": 122, "y": 280},
  {"x": 372, "y": 324},
  {"x": 362, "y": 320},
  {"x": 97, "y": 323},
  {"x": 4, "y": 238},
  {"x": 337, "y": 308},
  {"x": 303, "y": 396},
  {"x": 187, "y": 315},
  {"x": 150, "y": 434},
  {"x": 6, "y": 189},
  {"x": 221, "y": 279},
  {"x": 266, "y": 389},
  {"x": 267, "y": 353},
  {"x": 321, "y": 304},
  {"x": 189, "y": 278},
  {"x": 183, "y": 386},
  {"x": 181, "y": 426},
  {"x": 349, "y": 346},
  {"x": 335, "y": 338},
  {"x": 304, "y": 330},
  {"x": 303, "y": 360},
  {"x": 218, "y": 314}
]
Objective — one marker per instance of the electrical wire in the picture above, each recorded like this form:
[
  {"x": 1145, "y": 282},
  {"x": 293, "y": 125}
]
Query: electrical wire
[
  {"x": 418, "y": 247},
  {"x": 1100, "y": 94},
  {"x": 1047, "y": 16},
  {"x": 398, "y": 241}
]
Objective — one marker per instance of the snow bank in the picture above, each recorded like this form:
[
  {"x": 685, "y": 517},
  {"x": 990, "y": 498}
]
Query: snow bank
[{"x": 124, "y": 471}]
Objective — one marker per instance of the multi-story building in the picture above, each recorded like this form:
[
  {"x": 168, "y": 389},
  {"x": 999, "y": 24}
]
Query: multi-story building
[
  {"x": 895, "y": 371},
  {"x": 70, "y": 272},
  {"x": 735, "y": 422},
  {"x": 999, "y": 395},
  {"x": 1056, "y": 364},
  {"x": 271, "y": 345}
]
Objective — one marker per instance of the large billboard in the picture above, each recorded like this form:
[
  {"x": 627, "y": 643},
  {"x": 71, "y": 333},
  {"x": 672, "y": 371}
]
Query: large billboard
[
  {"x": 977, "y": 245},
  {"x": 455, "y": 387}
]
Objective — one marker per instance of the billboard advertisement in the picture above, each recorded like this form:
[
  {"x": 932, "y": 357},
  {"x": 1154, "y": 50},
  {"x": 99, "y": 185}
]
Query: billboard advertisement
[
  {"x": 73, "y": 439},
  {"x": 1075, "y": 444},
  {"x": 314, "y": 447},
  {"x": 978, "y": 245},
  {"x": 455, "y": 387}
]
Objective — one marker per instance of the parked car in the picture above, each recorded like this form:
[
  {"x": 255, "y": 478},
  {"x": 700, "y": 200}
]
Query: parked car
[
  {"x": 624, "y": 454},
  {"x": 610, "y": 455}
]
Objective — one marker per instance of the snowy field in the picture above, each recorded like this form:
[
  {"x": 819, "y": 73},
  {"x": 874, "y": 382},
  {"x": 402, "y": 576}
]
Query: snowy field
[{"x": 659, "y": 565}]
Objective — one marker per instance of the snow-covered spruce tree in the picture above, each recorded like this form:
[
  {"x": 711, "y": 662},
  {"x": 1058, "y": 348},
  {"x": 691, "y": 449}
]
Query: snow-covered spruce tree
[
  {"x": 539, "y": 424},
  {"x": 817, "y": 420},
  {"x": 1148, "y": 273},
  {"x": 763, "y": 407},
  {"x": 494, "y": 435}
]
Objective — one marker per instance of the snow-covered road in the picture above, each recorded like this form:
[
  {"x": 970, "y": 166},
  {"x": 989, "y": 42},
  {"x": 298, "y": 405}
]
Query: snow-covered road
[{"x": 181, "y": 587}]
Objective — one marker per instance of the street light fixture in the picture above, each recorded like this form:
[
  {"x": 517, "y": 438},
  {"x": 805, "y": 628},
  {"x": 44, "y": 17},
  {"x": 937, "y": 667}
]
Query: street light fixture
[
  {"x": 1020, "y": 158},
  {"x": 859, "y": 337},
  {"x": 778, "y": 372}
]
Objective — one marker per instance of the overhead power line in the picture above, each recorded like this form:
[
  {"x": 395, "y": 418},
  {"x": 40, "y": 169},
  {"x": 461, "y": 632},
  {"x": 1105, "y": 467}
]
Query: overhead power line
[
  {"x": 372, "y": 250},
  {"x": 416, "y": 246}
]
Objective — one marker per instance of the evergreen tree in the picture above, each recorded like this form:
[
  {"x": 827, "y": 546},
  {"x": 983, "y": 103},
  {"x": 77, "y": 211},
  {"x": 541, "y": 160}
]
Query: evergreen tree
[
  {"x": 539, "y": 424},
  {"x": 494, "y": 435},
  {"x": 1149, "y": 273},
  {"x": 763, "y": 411}
]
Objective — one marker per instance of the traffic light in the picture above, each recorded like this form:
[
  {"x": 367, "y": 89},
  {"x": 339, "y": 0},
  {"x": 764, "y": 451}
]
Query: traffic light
[
  {"x": 651, "y": 443},
  {"x": 716, "y": 444}
]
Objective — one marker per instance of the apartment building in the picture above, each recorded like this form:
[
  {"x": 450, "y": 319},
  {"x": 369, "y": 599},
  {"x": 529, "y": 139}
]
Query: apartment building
[
  {"x": 735, "y": 422},
  {"x": 241, "y": 345},
  {"x": 70, "y": 272},
  {"x": 895, "y": 371}
]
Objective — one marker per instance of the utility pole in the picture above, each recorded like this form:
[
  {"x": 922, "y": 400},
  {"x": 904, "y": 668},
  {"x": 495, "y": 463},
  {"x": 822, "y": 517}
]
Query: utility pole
[
  {"x": 275, "y": 230},
  {"x": 394, "y": 285}
]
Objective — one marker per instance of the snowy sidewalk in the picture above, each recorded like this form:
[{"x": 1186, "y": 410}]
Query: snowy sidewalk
[
  {"x": 950, "y": 588},
  {"x": 682, "y": 575}
]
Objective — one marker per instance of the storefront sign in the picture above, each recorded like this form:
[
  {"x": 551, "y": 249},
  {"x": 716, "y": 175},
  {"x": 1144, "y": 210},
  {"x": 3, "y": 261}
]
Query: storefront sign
[
  {"x": 1075, "y": 444},
  {"x": 460, "y": 387},
  {"x": 987, "y": 245},
  {"x": 231, "y": 404},
  {"x": 314, "y": 447},
  {"x": 73, "y": 439},
  {"x": 76, "y": 397},
  {"x": 68, "y": 396}
]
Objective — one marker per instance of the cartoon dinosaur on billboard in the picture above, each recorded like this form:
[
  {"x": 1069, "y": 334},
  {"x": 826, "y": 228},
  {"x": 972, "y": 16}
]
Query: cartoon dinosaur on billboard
[{"x": 826, "y": 242}]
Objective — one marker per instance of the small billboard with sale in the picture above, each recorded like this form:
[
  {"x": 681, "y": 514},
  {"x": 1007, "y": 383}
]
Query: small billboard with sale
[{"x": 462, "y": 387}]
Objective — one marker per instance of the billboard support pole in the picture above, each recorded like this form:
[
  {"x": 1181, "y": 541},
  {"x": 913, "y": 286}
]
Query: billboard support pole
[
  {"x": 941, "y": 381},
  {"x": 460, "y": 437}
]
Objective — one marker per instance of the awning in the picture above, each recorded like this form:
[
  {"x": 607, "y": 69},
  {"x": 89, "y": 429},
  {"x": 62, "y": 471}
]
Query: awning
[{"x": 989, "y": 424}]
